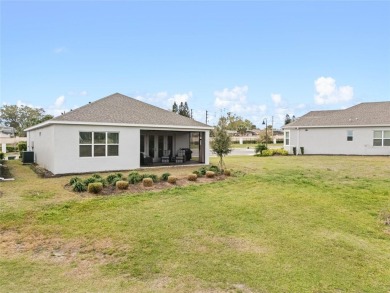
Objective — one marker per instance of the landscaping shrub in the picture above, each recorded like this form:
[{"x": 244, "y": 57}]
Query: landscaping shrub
[
  {"x": 75, "y": 179},
  {"x": 112, "y": 179},
  {"x": 79, "y": 186},
  {"x": 95, "y": 187},
  {"x": 121, "y": 184},
  {"x": 22, "y": 146},
  {"x": 267, "y": 153},
  {"x": 202, "y": 171},
  {"x": 226, "y": 172},
  {"x": 164, "y": 177},
  {"x": 210, "y": 174},
  {"x": 97, "y": 176},
  {"x": 197, "y": 173},
  {"x": 147, "y": 182},
  {"x": 1, "y": 156},
  {"x": 192, "y": 177},
  {"x": 281, "y": 152},
  {"x": 172, "y": 179},
  {"x": 89, "y": 180},
  {"x": 134, "y": 178},
  {"x": 214, "y": 168},
  {"x": 260, "y": 148},
  {"x": 151, "y": 176}
]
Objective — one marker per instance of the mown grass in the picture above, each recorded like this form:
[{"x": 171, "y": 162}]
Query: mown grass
[{"x": 292, "y": 224}]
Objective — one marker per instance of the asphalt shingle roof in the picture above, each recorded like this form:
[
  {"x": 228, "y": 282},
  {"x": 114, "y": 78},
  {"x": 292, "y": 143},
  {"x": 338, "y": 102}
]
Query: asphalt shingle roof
[
  {"x": 364, "y": 114},
  {"x": 118, "y": 108}
]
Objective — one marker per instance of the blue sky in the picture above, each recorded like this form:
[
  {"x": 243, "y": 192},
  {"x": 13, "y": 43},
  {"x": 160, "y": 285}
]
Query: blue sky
[{"x": 257, "y": 59}]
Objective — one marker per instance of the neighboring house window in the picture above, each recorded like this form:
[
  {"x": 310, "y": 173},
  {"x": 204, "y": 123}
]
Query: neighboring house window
[
  {"x": 350, "y": 135},
  {"x": 287, "y": 138},
  {"x": 381, "y": 138},
  {"x": 99, "y": 144}
]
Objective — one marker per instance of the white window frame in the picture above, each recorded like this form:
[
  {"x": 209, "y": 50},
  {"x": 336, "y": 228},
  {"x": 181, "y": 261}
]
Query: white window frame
[
  {"x": 384, "y": 138},
  {"x": 349, "y": 135},
  {"x": 287, "y": 136},
  {"x": 106, "y": 144}
]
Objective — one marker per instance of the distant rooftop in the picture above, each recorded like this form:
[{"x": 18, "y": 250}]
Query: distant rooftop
[{"x": 364, "y": 114}]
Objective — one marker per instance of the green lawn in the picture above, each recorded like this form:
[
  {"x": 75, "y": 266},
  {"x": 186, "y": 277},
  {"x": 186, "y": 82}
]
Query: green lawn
[{"x": 291, "y": 224}]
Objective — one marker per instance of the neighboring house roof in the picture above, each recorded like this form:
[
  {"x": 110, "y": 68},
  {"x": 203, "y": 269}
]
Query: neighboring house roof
[
  {"x": 364, "y": 114},
  {"x": 7, "y": 130},
  {"x": 123, "y": 110}
]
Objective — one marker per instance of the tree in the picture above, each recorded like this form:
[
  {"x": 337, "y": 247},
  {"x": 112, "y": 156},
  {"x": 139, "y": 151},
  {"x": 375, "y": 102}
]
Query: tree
[
  {"x": 241, "y": 129},
  {"x": 221, "y": 143},
  {"x": 234, "y": 122},
  {"x": 182, "y": 110},
  {"x": 22, "y": 117},
  {"x": 287, "y": 120},
  {"x": 175, "y": 109}
]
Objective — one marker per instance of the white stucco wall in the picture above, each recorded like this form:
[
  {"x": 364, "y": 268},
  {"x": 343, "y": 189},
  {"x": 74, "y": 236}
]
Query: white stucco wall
[
  {"x": 333, "y": 141},
  {"x": 182, "y": 140},
  {"x": 41, "y": 141}
]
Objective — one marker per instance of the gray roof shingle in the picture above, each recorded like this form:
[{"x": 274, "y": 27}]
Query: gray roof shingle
[
  {"x": 364, "y": 114},
  {"x": 121, "y": 109}
]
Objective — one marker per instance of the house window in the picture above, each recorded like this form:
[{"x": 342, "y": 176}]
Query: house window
[
  {"x": 381, "y": 138},
  {"x": 98, "y": 144},
  {"x": 350, "y": 135},
  {"x": 287, "y": 138}
]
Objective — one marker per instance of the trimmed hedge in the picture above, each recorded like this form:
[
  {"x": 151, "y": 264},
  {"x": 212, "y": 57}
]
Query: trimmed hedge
[
  {"x": 147, "y": 182},
  {"x": 121, "y": 184},
  {"x": 95, "y": 187}
]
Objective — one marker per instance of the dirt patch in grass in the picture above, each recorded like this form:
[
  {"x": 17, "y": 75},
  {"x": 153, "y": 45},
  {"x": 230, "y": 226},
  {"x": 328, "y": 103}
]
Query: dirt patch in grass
[
  {"x": 157, "y": 186},
  {"x": 81, "y": 254}
]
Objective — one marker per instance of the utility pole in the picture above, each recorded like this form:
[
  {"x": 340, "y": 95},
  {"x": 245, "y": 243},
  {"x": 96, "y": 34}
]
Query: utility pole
[
  {"x": 272, "y": 131},
  {"x": 206, "y": 116},
  {"x": 191, "y": 113}
]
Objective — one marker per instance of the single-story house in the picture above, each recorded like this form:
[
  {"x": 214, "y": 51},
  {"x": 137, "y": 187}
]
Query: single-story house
[
  {"x": 363, "y": 129},
  {"x": 7, "y": 132},
  {"x": 115, "y": 133}
]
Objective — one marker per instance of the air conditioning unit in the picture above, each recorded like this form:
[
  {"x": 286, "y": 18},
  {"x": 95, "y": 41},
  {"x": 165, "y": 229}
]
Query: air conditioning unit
[{"x": 27, "y": 157}]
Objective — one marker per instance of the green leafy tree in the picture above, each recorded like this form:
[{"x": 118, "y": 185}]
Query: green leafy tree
[
  {"x": 221, "y": 143},
  {"x": 287, "y": 120},
  {"x": 234, "y": 122},
  {"x": 175, "y": 108},
  {"x": 22, "y": 117},
  {"x": 183, "y": 109}
]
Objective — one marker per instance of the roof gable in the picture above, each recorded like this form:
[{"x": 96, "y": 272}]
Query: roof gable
[
  {"x": 364, "y": 114},
  {"x": 121, "y": 109}
]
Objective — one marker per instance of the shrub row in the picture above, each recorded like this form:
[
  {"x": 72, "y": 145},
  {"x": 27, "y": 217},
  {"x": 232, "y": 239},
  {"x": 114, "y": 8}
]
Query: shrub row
[{"x": 273, "y": 152}]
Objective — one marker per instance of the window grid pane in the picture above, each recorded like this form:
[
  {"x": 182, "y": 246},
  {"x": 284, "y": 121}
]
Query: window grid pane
[
  {"x": 85, "y": 151},
  {"x": 386, "y": 134},
  {"x": 377, "y": 134},
  {"x": 112, "y": 150},
  {"x": 85, "y": 137},
  {"x": 99, "y": 137},
  {"x": 386, "y": 142},
  {"x": 112, "y": 138},
  {"x": 377, "y": 142},
  {"x": 99, "y": 151}
]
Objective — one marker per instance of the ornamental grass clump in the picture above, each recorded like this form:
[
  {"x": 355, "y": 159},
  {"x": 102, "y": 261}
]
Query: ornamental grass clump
[
  {"x": 122, "y": 185},
  {"x": 151, "y": 176},
  {"x": 214, "y": 168},
  {"x": 112, "y": 179},
  {"x": 164, "y": 177},
  {"x": 210, "y": 174},
  {"x": 75, "y": 179},
  {"x": 172, "y": 179},
  {"x": 95, "y": 187},
  {"x": 134, "y": 178},
  {"x": 226, "y": 172},
  {"x": 147, "y": 182},
  {"x": 79, "y": 186},
  {"x": 192, "y": 177}
]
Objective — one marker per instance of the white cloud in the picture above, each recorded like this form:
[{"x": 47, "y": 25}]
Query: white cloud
[
  {"x": 180, "y": 98},
  {"x": 59, "y": 101},
  {"x": 59, "y": 50},
  {"x": 229, "y": 98},
  {"x": 329, "y": 93},
  {"x": 76, "y": 93},
  {"x": 277, "y": 99}
]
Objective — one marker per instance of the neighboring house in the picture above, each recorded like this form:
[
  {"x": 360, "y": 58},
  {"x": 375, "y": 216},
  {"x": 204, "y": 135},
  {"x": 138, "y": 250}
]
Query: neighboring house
[
  {"x": 363, "y": 129},
  {"x": 7, "y": 132},
  {"x": 111, "y": 133}
]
